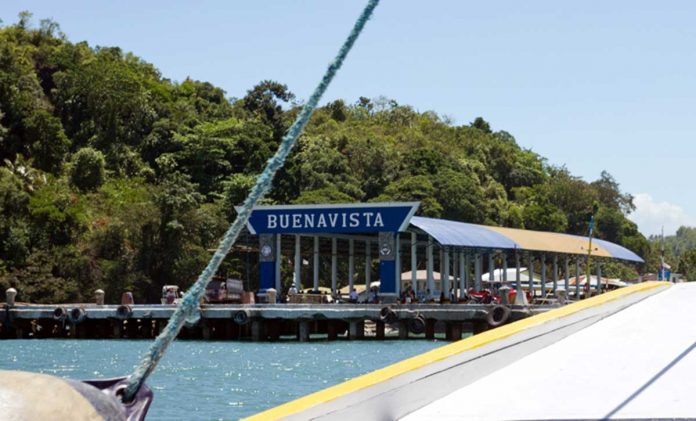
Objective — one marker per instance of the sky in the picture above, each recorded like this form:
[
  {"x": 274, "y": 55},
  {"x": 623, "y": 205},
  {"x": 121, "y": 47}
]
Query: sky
[{"x": 592, "y": 85}]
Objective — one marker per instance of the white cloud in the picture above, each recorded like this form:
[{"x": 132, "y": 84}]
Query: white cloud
[{"x": 651, "y": 216}]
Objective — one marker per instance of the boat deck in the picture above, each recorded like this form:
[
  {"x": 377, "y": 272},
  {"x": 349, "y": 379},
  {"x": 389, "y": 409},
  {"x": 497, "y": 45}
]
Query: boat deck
[{"x": 636, "y": 363}]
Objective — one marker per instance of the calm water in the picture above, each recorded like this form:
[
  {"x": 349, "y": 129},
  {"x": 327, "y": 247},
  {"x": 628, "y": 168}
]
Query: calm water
[{"x": 213, "y": 380}]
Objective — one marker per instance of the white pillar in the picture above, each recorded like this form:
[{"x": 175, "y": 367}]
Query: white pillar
[
  {"x": 351, "y": 264},
  {"x": 577, "y": 278},
  {"x": 477, "y": 272},
  {"x": 429, "y": 266},
  {"x": 368, "y": 264},
  {"x": 315, "y": 263},
  {"x": 278, "y": 261},
  {"x": 599, "y": 276},
  {"x": 334, "y": 265},
  {"x": 414, "y": 263},
  {"x": 491, "y": 270},
  {"x": 530, "y": 267},
  {"x": 446, "y": 275},
  {"x": 467, "y": 266},
  {"x": 505, "y": 268},
  {"x": 543, "y": 275},
  {"x": 555, "y": 274},
  {"x": 462, "y": 274},
  {"x": 567, "y": 275},
  {"x": 455, "y": 271},
  {"x": 442, "y": 268},
  {"x": 518, "y": 269},
  {"x": 298, "y": 264}
]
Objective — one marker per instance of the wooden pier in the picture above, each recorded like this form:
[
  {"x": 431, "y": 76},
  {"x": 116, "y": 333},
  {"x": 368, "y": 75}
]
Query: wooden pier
[{"x": 258, "y": 322}]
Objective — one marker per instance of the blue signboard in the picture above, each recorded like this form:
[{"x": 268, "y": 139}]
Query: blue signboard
[{"x": 333, "y": 218}]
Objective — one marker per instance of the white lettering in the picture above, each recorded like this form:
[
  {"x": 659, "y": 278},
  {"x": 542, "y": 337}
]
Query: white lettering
[
  {"x": 296, "y": 220},
  {"x": 354, "y": 221},
  {"x": 284, "y": 221},
  {"x": 378, "y": 220},
  {"x": 272, "y": 222},
  {"x": 333, "y": 217},
  {"x": 309, "y": 221},
  {"x": 367, "y": 216},
  {"x": 322, "y": 221},
  {"x": 344, "y": 220}
]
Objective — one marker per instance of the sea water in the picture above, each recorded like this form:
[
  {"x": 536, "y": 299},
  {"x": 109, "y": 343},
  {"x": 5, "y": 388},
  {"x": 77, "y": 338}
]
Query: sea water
[{"x": 213, "y": 380}]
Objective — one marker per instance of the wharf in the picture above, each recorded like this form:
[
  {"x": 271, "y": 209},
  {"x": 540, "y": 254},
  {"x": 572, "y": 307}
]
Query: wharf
[{"x": 257, "y": 322}]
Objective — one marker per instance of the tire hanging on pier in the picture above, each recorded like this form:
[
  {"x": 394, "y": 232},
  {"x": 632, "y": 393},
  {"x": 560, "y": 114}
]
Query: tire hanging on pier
[
  {"x": 76, "y": 315},
  {"x": 498, "y": 315},
  {"x": 388, "y": 315},
  {"x": 59, "y": 314},
  {"x": 123, "y": 312},
  {"x": 241, "y": 317},
  {"x": 417, "y": 324}
]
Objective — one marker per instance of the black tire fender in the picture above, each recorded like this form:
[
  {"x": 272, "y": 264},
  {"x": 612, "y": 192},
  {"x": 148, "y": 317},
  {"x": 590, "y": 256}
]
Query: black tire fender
[
  {"x": 498, "y": 315},
  {"x": 241, "y": 317},
  {"x": 76, "y": 315},
  {"x": 387, "y": 315},
  {"x": 123, "y": 312},
  {"x": 417, "y": 324},
  {"x": 59, "y": 314}
]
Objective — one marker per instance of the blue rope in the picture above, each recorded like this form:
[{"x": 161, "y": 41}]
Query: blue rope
[{"x": 189, "y": 302}]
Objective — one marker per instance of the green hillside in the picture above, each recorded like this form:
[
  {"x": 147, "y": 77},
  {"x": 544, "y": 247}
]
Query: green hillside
[{"x": 114, "y": 176}]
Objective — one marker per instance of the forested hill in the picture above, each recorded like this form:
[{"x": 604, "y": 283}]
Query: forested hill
[{"x": 116, "y": 177}]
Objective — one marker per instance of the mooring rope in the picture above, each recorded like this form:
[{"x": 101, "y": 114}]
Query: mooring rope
[{"x": 189, "y": 303}]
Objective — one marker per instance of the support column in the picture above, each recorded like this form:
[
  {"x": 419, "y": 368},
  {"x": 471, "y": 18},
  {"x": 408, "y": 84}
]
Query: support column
[
  {"x": 278, "y": 261},
  {"x": 505, "y": 268},
  {"x": 257, "y": 330},
  {"x": 334, "y": 266},
  {"x": 530, "y": 267},
  {"x": 267, "y": 264},
  {"x": 303, "y": 330},
  {"x": 351, "y": 264},
  {"x": 368, "y": 265},
  {"x": 315, "y": 264},
  {"x": 599, "y": 276},
  {"x": 414, "y": 263},
  {"x": 403, "y": 329},
  {"x": 455, "y": 275},
  {"x": 491, "y": 270},
  {"x": 387, "y": 263},
  {"x": 356, "y": 329},
  {"x": 297, "y": 278},
  {"x": 379, "y": 330},
  {"x": 467, "y": 266},
  {"x": 397, "y": 272},
  {"x": 577, "y": 278},
  {"x": 543, "y": 275},
  {"x": 555, "y": 274},
  {"x": 462, "y": 275},
  {"x": 445, "y": 274},
  {"x": 477, "y": 272},
  {"x": 567, "y": 275},
  {"x": 518, "y": 286},
  {"x": 429, "y": 267}
]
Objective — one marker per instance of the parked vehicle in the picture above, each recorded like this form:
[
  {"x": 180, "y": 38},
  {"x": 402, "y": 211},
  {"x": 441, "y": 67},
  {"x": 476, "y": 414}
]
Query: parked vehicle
[
  {"x": 170, "y": 294},
  {"x": 220, "y": 290}
]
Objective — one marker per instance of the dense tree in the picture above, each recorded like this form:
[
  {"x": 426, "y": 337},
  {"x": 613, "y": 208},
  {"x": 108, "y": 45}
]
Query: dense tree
[{"x": 115, "y": 177}]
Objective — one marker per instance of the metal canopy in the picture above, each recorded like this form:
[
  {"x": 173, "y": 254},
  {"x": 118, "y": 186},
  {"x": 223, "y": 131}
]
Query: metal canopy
[{"x": 462, "y": 234}]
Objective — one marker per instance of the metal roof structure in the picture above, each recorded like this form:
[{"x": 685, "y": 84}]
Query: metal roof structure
[{"x": 462, "y": 234}]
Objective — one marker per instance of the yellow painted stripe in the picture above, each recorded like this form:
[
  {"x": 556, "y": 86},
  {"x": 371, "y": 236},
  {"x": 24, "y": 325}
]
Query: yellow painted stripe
[
  {"x": 439, "y": 354},
  {"x": 550, "y": 241}
]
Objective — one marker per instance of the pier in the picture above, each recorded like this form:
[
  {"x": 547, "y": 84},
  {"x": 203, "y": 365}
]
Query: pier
[{"x": 259, "y": 322}]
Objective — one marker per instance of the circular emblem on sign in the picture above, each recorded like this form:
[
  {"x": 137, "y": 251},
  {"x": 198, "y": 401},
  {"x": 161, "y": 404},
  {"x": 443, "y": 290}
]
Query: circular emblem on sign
[
  {"x": 385, "y": 250},
  {"x": 266, "y": 250}
]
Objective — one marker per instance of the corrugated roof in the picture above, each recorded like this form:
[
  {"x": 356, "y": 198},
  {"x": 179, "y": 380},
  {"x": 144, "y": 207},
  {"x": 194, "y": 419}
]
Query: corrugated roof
[{"x": 462, "y": 234}]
